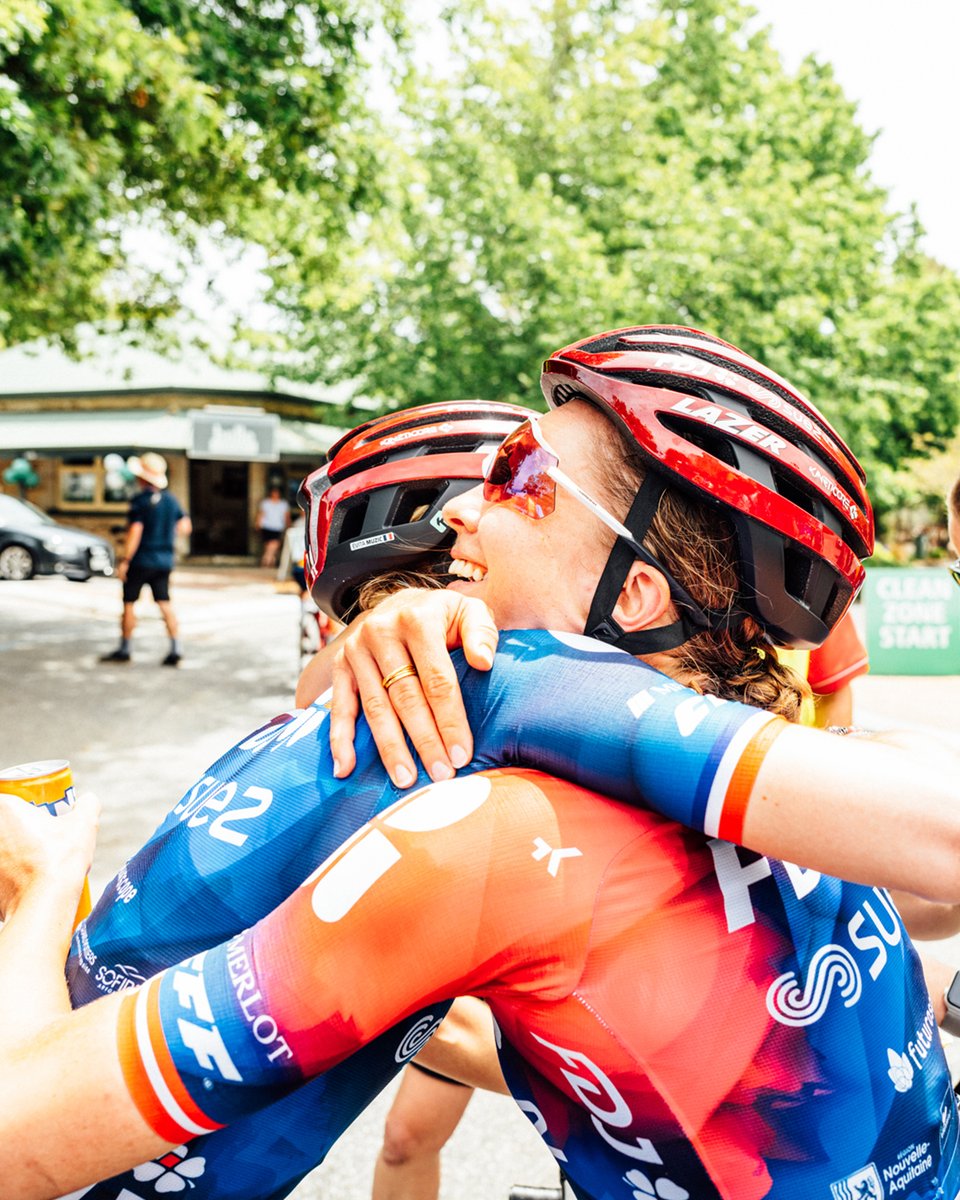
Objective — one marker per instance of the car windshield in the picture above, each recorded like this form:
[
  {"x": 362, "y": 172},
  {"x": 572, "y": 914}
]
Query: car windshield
[{"x": 21, "y": 513}]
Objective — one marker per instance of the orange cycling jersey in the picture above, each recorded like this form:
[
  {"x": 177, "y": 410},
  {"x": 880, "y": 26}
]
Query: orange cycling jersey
[{"x": 678, "y": 1017}]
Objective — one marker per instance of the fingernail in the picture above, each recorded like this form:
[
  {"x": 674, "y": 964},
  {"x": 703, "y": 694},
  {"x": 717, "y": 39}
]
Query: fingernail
[
  {"x": 458, "y": 756},
  {"x": 403, "y": 776},
  {"x": 440, "y": 771},
  {"x": 485, "y": 656},
  {"x": 336, "y": 769}
]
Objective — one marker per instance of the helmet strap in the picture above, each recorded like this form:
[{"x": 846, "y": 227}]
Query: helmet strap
[{"x": 600, "y": 622}]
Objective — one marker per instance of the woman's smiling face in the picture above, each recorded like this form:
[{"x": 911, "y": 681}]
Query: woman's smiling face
[{"x": 539, "y": 573}]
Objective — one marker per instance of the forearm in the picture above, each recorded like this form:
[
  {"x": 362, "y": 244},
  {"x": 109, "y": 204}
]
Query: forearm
[
  {"x": 316, "y": 676},
  {"x": 132, "y": 543},
  {"x": 937, "y": 976},
  {"x": 33, "y": 946}
]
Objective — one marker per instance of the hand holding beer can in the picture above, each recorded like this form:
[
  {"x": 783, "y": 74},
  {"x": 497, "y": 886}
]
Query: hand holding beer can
[{"x": 49, "y": 785}]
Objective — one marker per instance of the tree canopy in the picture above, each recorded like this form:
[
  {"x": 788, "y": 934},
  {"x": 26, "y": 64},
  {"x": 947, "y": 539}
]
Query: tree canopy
[
  {"x": 594, "y": 163},
  {"x": 195, "y": 114},
  {"x": 569, "y": 166}
]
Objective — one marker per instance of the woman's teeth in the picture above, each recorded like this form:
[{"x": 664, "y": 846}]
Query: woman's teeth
[{"x": 466, "y": 570}]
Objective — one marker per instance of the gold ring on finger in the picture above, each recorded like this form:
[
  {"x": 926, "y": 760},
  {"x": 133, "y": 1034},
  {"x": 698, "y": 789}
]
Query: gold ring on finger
[{"x": 400, "y": 673}]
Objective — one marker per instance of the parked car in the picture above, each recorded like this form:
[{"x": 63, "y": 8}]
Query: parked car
[{"x": 32, "y": 543}]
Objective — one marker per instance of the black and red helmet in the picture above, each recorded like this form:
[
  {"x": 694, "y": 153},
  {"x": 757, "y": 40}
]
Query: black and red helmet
[
  {"x": 375, "y": 506},
  {"x": 714, "y": 422}
]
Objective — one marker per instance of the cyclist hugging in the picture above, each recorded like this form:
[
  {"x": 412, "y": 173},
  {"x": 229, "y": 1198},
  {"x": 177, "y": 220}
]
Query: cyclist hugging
[{"x": 680, "y": 1009}]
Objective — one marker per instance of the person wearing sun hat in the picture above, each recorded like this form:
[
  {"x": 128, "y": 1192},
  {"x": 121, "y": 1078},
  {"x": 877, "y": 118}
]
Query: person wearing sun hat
[{"x": 153, "y": 522}]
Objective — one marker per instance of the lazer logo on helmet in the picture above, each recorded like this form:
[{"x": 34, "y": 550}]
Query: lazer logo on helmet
[
  {"x": 727, "y": 421},
  {"x": 378, "y": 540}
]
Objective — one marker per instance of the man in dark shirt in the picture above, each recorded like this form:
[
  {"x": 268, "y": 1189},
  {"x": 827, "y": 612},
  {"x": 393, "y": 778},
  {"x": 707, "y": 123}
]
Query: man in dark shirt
[{"x": 154, "y": 520}]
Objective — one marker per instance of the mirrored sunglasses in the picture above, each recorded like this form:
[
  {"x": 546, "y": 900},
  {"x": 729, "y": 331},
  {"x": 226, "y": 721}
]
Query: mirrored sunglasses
[{"x": 524, "y": 473}]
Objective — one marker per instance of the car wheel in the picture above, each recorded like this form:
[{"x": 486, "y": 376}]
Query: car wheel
[{"x": 16, "y": 562}]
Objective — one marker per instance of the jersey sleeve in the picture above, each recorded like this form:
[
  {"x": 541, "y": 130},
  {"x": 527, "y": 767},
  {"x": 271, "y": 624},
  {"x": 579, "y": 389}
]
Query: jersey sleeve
[
  {"x": 840, "y": 659},
  {"x": 573, "y": 707},
  {"x": 432, "y": 899}
]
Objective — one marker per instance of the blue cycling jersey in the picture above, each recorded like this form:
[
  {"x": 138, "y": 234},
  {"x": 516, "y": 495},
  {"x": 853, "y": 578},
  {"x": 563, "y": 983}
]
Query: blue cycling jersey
[{"x": 245, "y": 836}]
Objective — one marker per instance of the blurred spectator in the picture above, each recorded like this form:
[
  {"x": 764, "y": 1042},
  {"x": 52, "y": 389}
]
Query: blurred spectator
[
  {"x": 273, "y": 520},
  {"x": 153, "y": 522}
]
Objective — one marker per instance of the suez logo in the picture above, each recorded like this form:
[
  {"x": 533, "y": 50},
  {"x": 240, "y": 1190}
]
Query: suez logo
[
  {"x": 609, "y": 1112},
  {"x": 872, "y": 928},
  {"x": 205, "y": 804}
]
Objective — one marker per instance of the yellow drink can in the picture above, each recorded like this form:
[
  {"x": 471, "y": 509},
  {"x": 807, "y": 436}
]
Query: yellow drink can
[{"x": 49, "y": 784}]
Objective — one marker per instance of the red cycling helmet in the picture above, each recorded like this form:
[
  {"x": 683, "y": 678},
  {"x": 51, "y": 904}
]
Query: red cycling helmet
[
  {"x": 375, "y": 506},
  {"x": 714, "y": 422}
]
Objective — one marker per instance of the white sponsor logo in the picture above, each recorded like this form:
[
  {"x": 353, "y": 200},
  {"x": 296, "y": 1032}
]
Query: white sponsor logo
[
  {"x": 119, "y": 978},
  {"x": 376, "y": 540},
  {"x": 408, "y": 435},
  {"x": 831, "y": 486},
  {"x": 439, "y": 523},
  {"x": 417, "y": 1037},
  {"x": 728, "y": 421},
  {"x": 646, "y": 1189},
  {"x": 250, "y": 999},
  {"x": 212, "y": 796},
  {"x": 915, "y": 1056},
  {"x": 901, "y": 1071},
  {"x": 556, "y": 856},
  {"x": 911, "y": 1163},
  {"x": 126, "y": 890},
  {"x": 831, "y": 967},
  {"x": 861, "y": 1185},
  {"x": 173, "y": 1171}
]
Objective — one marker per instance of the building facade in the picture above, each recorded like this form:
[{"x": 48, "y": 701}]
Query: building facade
[{"x": 227, "y": 436}]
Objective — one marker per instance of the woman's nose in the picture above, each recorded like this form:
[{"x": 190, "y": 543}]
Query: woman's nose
[{"x": 463, "y": 511}]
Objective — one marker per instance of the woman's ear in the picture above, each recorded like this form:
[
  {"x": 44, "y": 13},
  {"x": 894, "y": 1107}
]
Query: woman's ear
[{"x": 644, "y": 601}]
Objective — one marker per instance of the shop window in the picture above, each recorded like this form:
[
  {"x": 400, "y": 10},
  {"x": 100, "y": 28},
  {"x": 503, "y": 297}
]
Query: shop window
[{"x": 85, "y": 483}]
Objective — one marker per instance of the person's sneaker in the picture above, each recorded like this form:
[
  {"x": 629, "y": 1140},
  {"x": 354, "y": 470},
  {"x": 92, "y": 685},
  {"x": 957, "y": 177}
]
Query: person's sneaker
[
  {"x": 116, "y": 656},
  {"x": 171, "y": 660}
]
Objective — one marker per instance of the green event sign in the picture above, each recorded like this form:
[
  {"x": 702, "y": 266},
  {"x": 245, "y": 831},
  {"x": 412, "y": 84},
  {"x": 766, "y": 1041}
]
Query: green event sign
[{"x": 913, "y": 621}]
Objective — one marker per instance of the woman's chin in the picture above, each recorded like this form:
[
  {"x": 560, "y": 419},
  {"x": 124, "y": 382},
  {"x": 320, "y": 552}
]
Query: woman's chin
[{"x": 466, "y": 587}]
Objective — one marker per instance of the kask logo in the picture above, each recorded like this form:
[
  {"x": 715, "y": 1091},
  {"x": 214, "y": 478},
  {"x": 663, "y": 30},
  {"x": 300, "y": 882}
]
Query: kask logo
[
  {"x": 862, "y": 1185},
  {"x": 831, "y": 967}
]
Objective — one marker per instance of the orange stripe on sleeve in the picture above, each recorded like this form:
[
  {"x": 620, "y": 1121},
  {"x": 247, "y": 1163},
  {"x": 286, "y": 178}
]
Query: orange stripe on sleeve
[
  {"x": 169, "y": 1073},
  {"x": 741, "y": 782},
  {"x": 136, "y": 1077}
]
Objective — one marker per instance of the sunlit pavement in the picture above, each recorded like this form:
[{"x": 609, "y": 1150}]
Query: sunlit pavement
[{"x": 139, "y": 733}]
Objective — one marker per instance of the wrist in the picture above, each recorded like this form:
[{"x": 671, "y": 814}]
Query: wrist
[{"x": 951, "y": 995}]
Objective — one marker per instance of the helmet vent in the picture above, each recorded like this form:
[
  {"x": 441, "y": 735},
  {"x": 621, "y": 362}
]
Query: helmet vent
[
  {"x": 414, "y": 503},
  {"x": 796, "y": 572},
  {"x": 713, "y": 443}
]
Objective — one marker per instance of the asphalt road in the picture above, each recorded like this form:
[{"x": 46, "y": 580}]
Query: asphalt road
[{"x": 139, "y": 734}]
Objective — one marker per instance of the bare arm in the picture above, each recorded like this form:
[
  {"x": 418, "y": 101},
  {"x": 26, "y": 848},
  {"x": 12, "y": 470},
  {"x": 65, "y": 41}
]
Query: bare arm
[
  {"x": 47, "y": 1051},
  {"x": 316, "y": 676},
  {"x": 851, "y": 807},
  {"x": 130, "y": 547}
]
